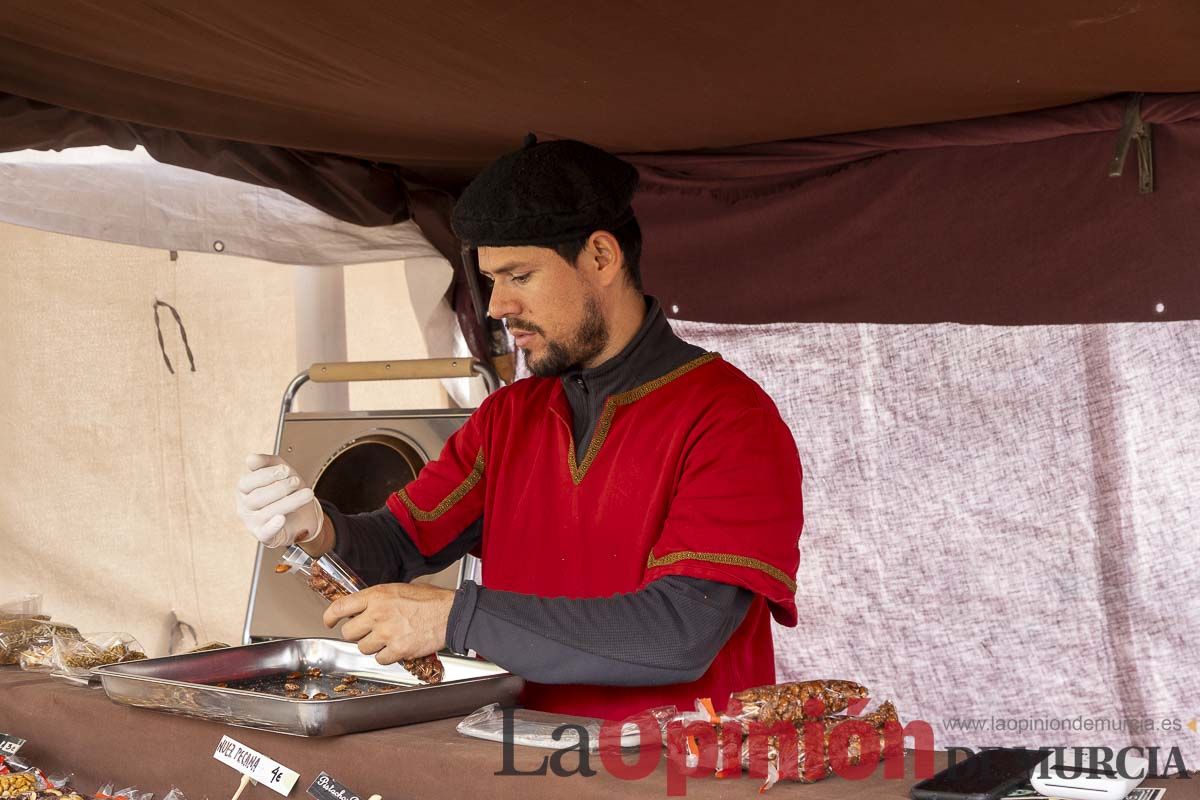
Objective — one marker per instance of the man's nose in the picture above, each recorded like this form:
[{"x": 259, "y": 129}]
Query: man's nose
[{"x": 502, "y": 304}]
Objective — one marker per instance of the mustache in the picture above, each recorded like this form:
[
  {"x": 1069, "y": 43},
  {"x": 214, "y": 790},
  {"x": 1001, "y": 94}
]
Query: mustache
[{"x": 522, "y": 327}]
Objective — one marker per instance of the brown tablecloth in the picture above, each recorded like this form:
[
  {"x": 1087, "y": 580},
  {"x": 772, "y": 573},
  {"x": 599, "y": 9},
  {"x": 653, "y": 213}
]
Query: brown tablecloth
[{"x": 73, "y": 729}]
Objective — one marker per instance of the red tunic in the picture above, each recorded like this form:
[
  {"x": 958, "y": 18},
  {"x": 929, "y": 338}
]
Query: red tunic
[{"x": 693, "y": 473}]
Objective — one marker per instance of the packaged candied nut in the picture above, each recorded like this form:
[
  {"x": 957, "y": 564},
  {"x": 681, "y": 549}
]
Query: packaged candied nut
[
  {"x": 793, "y": 702},
  {"x": 781, "y": 749},
  {"x": 47, "y": 787},
  {"x": 18, "y": 635},
  {"x": 28, "y": 783},
  {"x": 333, "y": 579},
  {"x": 22, "y": 623},
  {"x": 66, "y": 793},
  {"x": 810, "y": 767},
  {"x": 20, "y": 784},
  {"x": 107, "y": 792},
  {"x": 38, "y": 655},
  {"x": 75, "y": 658}
]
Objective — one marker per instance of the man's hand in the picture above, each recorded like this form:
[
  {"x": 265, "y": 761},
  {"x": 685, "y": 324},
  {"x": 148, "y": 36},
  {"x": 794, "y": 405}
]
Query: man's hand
[
  {"x": 394, "y": 621},
  {"x": 278, "y": 507}
]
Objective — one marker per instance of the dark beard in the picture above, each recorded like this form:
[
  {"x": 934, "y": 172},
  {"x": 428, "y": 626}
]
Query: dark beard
[{"x": 589, "y": 339}]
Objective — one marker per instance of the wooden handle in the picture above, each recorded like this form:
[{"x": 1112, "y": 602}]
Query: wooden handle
[{"x": 402, "y": 370}]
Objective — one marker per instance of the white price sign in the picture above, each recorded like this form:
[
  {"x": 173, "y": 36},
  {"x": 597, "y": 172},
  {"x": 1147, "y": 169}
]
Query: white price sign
[{"x": 269, "y": 773}]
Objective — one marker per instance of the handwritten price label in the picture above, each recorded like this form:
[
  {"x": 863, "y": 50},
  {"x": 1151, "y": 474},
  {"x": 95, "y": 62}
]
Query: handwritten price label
[
  {"x": 9, "y": 745},
  {"x": 271, "y": 774}
]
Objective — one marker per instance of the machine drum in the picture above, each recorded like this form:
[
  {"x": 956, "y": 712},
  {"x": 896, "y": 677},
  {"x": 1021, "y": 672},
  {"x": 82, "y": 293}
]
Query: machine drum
[{"x": 363, "y": 473}]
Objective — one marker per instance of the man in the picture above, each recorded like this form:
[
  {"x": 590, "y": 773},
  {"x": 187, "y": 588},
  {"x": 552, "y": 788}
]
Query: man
[{"x": 636, "y": 504}]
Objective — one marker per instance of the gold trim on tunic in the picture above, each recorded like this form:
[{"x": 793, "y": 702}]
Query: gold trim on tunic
[
  {"x": 610, "y": 409},
  {"x": 722, "y": 558},
  {"x": 458, "y": 494}
]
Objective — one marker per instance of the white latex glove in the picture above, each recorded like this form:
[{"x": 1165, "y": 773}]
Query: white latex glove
[{"x": 276, "y": 504}]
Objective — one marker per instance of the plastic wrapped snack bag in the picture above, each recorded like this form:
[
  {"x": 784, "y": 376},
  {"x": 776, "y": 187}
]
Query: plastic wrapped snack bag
[
  {"x": 20, "y": 784},
  {"x": 766, "y": 733},
  {"x": 75, "y": 658},
  {"x": 787, "y": 701},
  {"x": 107, "y": 792},
  {"x": 23, "y": 626}
]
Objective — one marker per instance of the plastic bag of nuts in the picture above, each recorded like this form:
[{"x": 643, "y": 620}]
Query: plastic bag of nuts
[
  {"x": 45, "y": 787},
  {"x": 23, "y": 624},
  {"x": 15, "y": 633},
  {"x": 781, "y": 749},
  {"x": 782, "y": 763},
  {"x": 75, "y": 658},
  {"x": 333, "y": 579},
  {"x": 18, "y": 635},
  {"x": 107, "y": 792},
  {"x": 20, "y": 784},
  {"x": 38, "y": 655},
  {"x": 794, "y": 702}
]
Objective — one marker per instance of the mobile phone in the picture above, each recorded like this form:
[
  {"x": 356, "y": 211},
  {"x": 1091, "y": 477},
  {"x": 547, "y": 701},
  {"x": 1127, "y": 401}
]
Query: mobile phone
[{"x": 987, "y": 775}]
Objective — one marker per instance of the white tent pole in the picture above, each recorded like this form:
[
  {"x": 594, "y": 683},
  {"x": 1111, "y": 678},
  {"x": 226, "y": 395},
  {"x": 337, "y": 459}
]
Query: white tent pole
[{"x": 321, "y": 334}]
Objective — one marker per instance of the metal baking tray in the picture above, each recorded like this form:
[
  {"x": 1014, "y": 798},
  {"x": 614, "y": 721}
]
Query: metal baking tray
[{"x": 185, "y": 684}]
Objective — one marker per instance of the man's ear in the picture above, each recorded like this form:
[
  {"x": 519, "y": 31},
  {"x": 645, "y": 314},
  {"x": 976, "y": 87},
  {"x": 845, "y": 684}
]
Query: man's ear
[{"x": 603, "y": 255}]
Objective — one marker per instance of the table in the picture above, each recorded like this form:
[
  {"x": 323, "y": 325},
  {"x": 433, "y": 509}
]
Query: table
[{"x": 77, "y": 729}]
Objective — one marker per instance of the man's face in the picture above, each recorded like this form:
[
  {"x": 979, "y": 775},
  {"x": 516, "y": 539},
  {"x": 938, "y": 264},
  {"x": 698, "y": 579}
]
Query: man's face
[{"x": 550, "y": 307}]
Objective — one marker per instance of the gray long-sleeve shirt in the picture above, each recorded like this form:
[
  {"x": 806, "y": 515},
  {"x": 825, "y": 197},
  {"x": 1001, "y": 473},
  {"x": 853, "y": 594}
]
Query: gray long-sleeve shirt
[{"x": 668, "y": 632}]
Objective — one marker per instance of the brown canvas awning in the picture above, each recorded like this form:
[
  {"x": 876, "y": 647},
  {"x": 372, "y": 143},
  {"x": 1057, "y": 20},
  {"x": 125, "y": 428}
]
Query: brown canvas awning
[
  {"x": 441, "y": 88},
  {"x": 375, "y": 113}
]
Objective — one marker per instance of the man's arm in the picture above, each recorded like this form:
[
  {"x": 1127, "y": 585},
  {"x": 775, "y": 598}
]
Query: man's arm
[
  {"x": 378, "y": 549},
  {"x": 666, "y": 633}
]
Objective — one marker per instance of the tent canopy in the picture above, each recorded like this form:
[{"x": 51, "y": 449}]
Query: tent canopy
[
  {"x": 439, "y": 89},
  {"x": 376, "y": 118}
]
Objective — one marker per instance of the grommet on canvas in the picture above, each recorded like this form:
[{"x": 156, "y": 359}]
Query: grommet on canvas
[
  {"x": 219, "y": 246},
  {"x": 1160, "y": 308}
]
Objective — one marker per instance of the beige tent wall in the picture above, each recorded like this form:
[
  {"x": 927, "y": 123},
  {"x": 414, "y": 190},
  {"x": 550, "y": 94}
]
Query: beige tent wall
[
  {"x": 381, "y": 324},
  {"x": 116, "y": 476}
]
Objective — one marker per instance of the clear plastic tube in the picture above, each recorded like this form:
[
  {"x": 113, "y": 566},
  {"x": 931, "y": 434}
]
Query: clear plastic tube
[
  {"x": 332, "y": 578},
  {"x": 328, "y": 575}
]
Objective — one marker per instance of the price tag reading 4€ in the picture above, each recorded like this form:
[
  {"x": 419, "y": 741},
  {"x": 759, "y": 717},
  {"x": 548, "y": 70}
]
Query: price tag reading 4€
[
  {"x": 269, "y": 773},
  {"x": 326, "y": 788}
]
